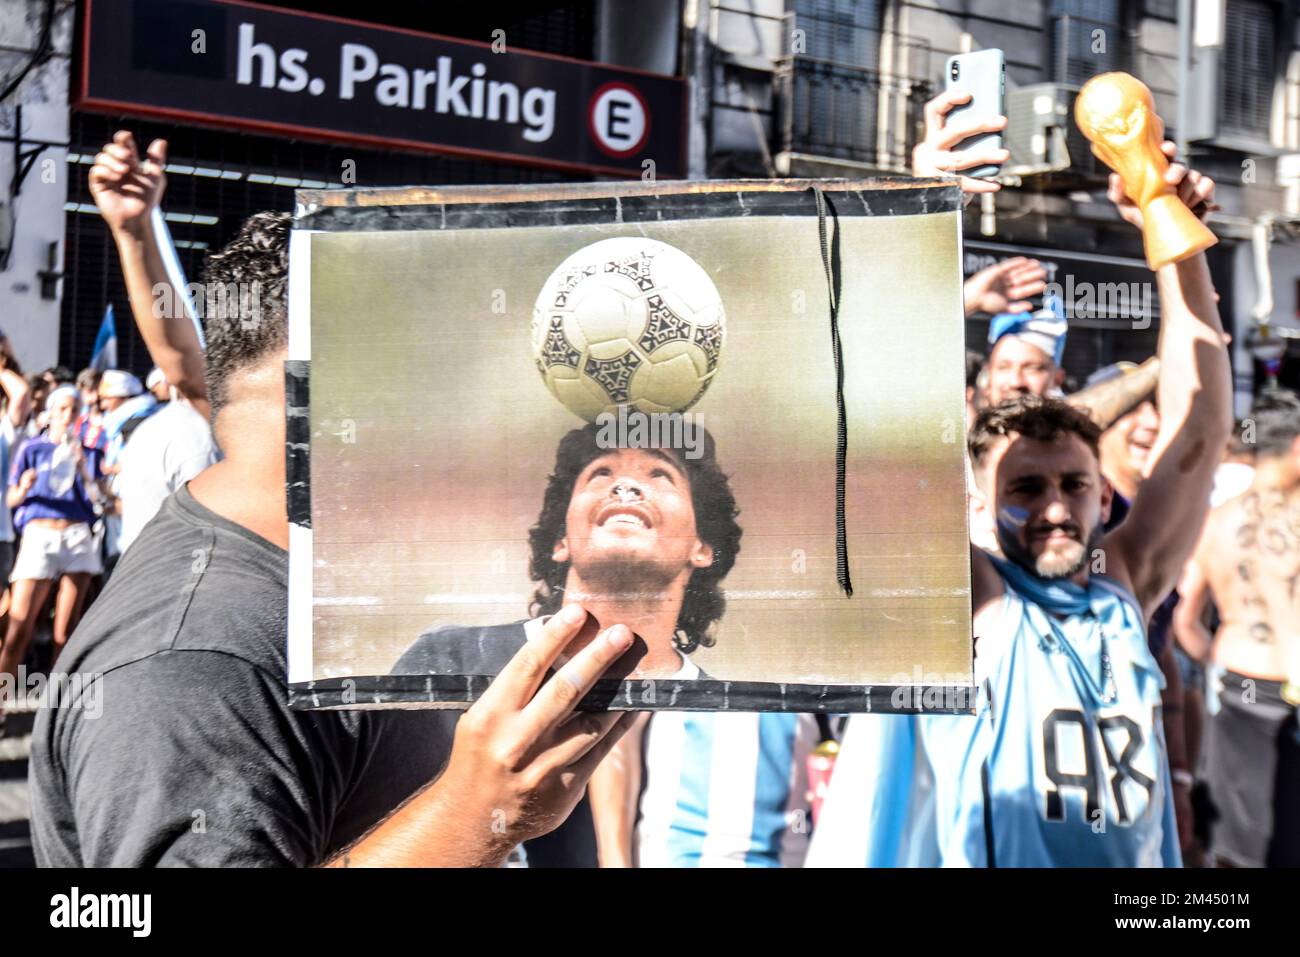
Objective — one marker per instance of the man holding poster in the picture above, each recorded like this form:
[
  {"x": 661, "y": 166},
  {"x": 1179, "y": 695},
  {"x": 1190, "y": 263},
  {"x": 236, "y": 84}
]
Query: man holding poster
[{"x": 197, "y": 759}]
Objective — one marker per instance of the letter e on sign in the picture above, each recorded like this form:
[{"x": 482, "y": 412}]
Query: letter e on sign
[{"x": 618, "y": 119}]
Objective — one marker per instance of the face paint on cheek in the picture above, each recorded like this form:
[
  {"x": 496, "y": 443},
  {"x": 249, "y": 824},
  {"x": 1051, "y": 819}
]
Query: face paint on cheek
[{"x": 1011, "y": 520}]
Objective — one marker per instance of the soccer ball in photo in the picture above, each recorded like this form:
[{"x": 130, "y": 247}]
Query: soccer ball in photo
[{"x": 628, "y": 321}]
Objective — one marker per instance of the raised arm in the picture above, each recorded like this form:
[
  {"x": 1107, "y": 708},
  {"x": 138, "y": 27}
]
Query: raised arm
[
  {"x": 1004, "y": 286},
  {"x": 1194, "y": 394},
  {"x": 126, "y": 190},
  {"x": 17, "y": 392},
  {"x": 1108, "y": 402}
]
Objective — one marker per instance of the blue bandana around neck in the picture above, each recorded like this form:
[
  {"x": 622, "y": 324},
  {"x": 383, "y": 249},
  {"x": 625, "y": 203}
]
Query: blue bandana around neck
[
  {"x": 1095, "y": 609},
  {"x": 1059, "y": 596}
]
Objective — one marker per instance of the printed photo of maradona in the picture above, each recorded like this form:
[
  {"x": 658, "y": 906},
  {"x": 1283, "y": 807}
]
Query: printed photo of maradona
[{"x": 640, "y": 536}]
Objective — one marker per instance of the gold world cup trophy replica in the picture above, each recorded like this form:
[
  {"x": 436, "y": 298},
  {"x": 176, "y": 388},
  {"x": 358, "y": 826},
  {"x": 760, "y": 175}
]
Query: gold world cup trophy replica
[{"x": 1116, "y": 112}]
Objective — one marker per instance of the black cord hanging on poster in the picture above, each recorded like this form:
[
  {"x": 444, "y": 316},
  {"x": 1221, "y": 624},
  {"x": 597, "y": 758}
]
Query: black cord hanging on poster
[{"x": 831, "y": 263}]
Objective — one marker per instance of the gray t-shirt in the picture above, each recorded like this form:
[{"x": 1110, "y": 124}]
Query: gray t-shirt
[{"x": 185, "y": 751}]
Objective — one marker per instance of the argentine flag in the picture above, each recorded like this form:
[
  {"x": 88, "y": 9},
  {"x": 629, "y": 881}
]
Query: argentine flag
[
  {"x": 175, "y": 274},
  {"x": 105, "y": 355}
]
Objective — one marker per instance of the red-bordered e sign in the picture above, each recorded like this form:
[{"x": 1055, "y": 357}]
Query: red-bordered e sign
[{"x": 265, "y": 70}]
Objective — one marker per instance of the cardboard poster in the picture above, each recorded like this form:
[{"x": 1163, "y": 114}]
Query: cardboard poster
[{"x": 638, "y": 397}]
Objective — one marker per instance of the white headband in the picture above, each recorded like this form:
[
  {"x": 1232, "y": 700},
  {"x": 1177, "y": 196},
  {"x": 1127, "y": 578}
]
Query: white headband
[{"x": 60, "y": 392}]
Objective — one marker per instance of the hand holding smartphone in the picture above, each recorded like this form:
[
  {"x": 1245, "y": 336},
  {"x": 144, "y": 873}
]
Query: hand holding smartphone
[
  {"x": 963, "y": 124},
  {"x": 982, "y": 74}
]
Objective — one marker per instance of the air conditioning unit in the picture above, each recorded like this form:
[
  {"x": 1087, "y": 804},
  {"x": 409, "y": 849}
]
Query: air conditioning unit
[{"x": 1043, "y": 139}]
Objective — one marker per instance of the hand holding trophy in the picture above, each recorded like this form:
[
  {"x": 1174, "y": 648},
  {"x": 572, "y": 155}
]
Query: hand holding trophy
[{"x": 1116, "y": 112}]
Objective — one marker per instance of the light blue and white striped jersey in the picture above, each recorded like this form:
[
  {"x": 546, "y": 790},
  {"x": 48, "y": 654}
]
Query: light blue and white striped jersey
[
  {"x": 1058, "y": 768},
  {"x": 725, "y": 790}
]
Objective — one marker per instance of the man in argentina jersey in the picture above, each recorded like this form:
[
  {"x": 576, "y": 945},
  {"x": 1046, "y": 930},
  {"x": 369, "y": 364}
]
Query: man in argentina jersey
[
  {"x": 724, "y": 789},
  {"x": 1064, "y": 762},
  {"x": 1087, "y": 785}
]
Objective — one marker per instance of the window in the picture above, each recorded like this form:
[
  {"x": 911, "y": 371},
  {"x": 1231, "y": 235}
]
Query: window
[
  {"x": 1162, "y": 9},
  {"x": 1086, "y": 39},
  {"x": 1249, "y": 67},
  {"x": 841, "y": 31},
  {"x": 835, "y": 83}
]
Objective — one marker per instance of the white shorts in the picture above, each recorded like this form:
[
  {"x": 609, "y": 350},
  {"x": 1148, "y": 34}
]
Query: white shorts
[{"x": 47, "y": 553}]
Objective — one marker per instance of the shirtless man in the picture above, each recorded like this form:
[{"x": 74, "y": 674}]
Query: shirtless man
[{"x": 1248, "y": 561}]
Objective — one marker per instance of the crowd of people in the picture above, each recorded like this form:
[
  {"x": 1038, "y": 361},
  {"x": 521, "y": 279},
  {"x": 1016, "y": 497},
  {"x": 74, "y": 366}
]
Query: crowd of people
[
  {"x": 1135, "y": 557},
  {"x": 88, "y": 460}
]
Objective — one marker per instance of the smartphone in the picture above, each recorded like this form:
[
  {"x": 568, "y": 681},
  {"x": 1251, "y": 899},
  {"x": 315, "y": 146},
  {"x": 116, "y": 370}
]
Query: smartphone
[{"x": 984, "y": 75}]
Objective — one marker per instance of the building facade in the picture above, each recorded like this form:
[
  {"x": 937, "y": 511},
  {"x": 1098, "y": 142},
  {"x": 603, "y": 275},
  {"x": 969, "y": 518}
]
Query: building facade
[
  {"x": 835, "y": 87},
  {"x": 36, "y": 39},
  {"x": 59, "y": 269},
  {"x": 770, "y": 88}
]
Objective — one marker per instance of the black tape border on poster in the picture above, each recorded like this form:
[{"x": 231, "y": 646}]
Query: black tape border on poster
[
  {"x": 297, "y": 441},
  {"x": 460, "y": 691},
  {"x": 614, "y": 210}
]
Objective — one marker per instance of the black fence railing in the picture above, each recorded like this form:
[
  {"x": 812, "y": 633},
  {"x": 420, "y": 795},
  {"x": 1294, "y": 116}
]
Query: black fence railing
[
  {"x": 847, "y": 40},
  {"x": 1249, "y": 69},
  {"x": 841, "y": 88},
  {"x": 850, "y": 91},
  {"x": 829, "y": 109},
  {"x": 1081, "y": 48}
]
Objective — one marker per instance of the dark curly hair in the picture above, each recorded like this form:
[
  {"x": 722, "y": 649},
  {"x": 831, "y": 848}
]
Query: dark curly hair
[
  {"x": 245, "y": 315},
  {"x": 715, "y": 523},
  {"x": 1032, "y": 416}
]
